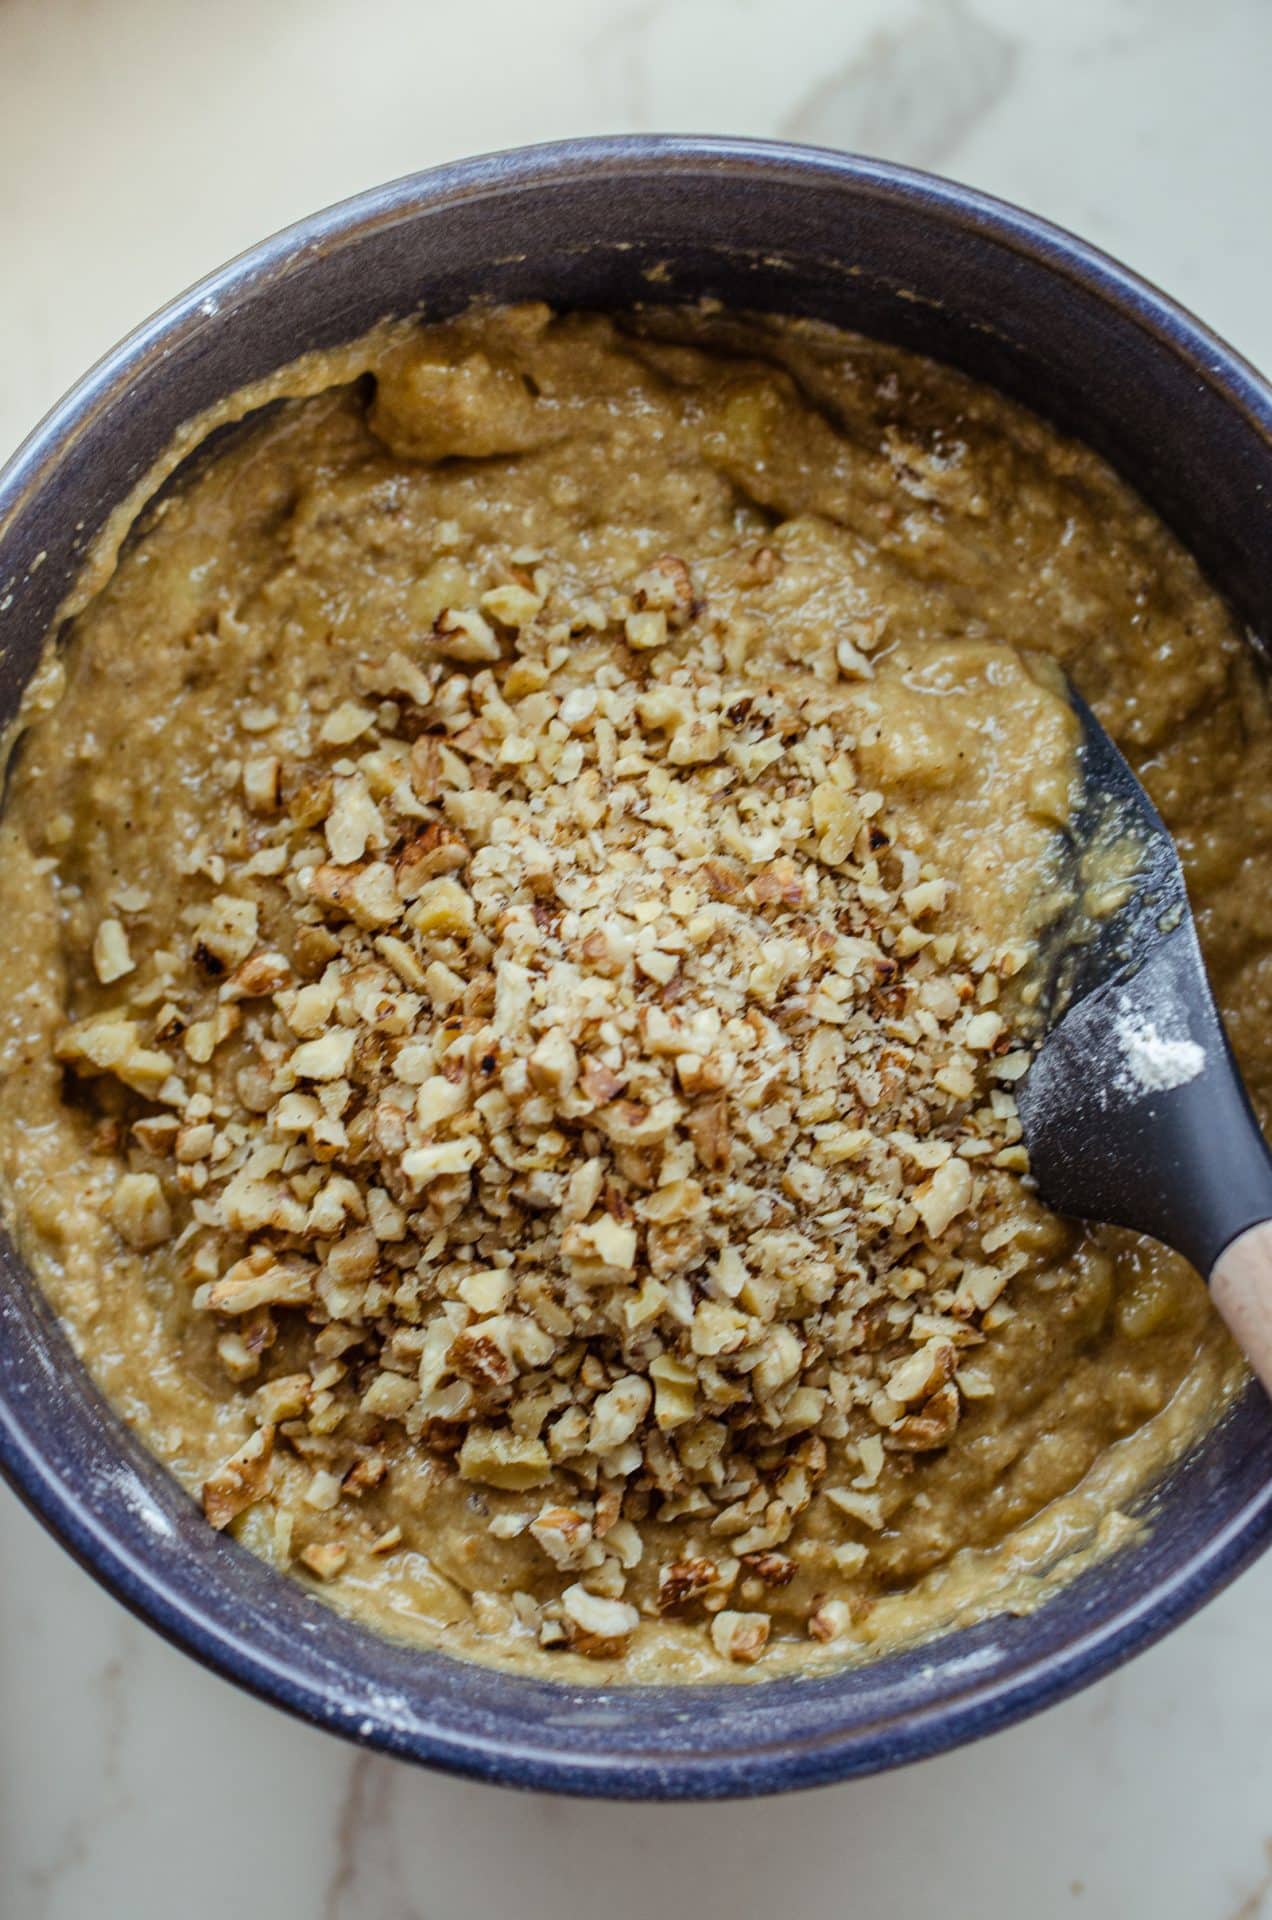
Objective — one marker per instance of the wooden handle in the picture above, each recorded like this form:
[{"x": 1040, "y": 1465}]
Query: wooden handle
[{"x": 1241, "y": 1287}]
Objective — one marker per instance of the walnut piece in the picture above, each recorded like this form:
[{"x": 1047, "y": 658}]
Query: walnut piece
[
  {"x": 239, "y": 1481},
  {"x": 571, "y": 1065}
]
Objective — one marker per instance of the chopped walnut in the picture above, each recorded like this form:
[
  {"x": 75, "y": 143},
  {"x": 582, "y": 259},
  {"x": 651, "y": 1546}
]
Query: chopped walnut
[
  {"x": 112, "y": 956},
  {"x": 563, "y": 1533},
  {"x": 740, "y": 1636},
  {"x": 579, "y": 1076},
  {"x": 241, "y": 1480},
  {"x": 831, "y": 1620},
  {"x": 325, "y": 1558},
  {"x": 598, "y": 1627},
  {"x": 682, "y": 1582},
  {"x": 139, "y": 1211}
]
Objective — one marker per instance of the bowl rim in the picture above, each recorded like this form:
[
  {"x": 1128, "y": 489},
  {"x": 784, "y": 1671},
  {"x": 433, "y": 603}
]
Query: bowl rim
[{"x": 981, "y": 1705}]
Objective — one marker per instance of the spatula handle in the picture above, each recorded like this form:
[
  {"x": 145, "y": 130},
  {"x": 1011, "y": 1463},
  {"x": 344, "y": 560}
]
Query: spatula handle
[{"x": 1241, "y": 1288}]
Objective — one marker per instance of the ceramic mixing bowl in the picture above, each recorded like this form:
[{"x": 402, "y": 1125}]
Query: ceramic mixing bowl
[{"x": 916, "y": 261}]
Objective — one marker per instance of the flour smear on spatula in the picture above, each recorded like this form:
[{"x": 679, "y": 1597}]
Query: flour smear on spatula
[{"x": 1156, "y": 1048}]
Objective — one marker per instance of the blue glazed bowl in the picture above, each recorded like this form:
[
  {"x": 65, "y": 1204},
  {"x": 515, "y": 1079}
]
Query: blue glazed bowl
[{"x": 912, "y": 259}]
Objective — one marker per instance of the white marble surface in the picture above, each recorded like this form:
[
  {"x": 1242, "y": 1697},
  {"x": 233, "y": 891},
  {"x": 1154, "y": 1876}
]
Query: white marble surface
[{"x": 142, "y": 141}]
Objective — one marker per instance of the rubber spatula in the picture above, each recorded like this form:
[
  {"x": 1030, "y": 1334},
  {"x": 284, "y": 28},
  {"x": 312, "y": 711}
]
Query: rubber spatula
[{"x": 1133, "y": 1108}]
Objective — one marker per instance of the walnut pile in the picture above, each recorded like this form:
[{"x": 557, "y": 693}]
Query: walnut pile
[{"x": 571, "y": 1057}]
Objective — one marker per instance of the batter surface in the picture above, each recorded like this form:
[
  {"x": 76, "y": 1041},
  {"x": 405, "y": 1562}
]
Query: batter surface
[{"x": 527, "y": 868}]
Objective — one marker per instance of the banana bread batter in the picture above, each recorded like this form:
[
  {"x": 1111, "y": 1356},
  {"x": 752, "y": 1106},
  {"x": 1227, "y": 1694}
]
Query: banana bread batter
[{"x": 528, "y": 865}]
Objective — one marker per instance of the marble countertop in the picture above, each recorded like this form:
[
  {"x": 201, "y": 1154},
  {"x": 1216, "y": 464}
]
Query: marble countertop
[{"x": 143, "y": 141}]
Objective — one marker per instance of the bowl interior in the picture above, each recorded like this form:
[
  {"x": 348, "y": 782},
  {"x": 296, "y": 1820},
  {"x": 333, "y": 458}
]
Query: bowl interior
[{"x": 609, "y": 224}]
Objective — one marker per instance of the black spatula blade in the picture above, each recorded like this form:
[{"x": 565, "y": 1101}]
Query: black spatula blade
[{"x": 1133, "y": 1109}]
